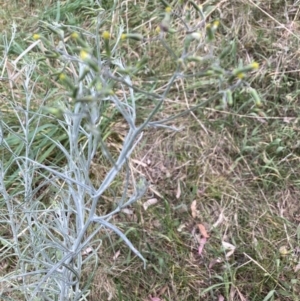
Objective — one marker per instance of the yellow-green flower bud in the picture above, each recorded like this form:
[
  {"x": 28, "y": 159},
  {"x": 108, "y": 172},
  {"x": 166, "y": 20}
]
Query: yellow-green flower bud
[
  {"x": 215, "y": 25},
  {"x": 209, "y": 72},
  {"x": 254, "y": 65},
  {"x": 193, "y": 36},
  {"x": 256, "y": 97},
  {"x": 197, "y": 59},
  {"x": 229, "y": 98},
  {"x": 51, "y": 54},
  {"x": 86, "y": 99},
  {"x": 132, "y": 36},
  {"x": 36, "y": 36},
  {"x": 240, "y": 75},
  {"x": 218, "y": 70},
  {"x": 168, "y": 9},
  {"x": 62, "y": 76},
  {"x": 165, "y": 23},
  {"x": 209, "y": 33},
  {"x": 74, "y": 35},
  {"x": 106, "y": 35},
  {"x": 57, "y": 112},
  {"x": 240, "y": 72},
  {"x": 56, "y": 31},
  {"x": 84, "y": 55},
  {"x": 88, "y": 59},
  {"x": 66, "y": 81}
]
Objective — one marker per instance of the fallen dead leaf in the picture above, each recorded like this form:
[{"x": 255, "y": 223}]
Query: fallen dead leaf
[
  {"x": 203, "y": 231},
  {"x": 219, "y": 221},
  {"x": 155, "y": 299},
  {"x": 153, "y": 189},
  {"x": 283, "y": 250},
  {"x": 288, "y": 119},
  {"x": 149, "y": 203},
  {"x": 139, "y": 163},
  {"x": 181, "y": 227},
  {"x": 194, "y": 208},
  {"x": 214, "y": 262},
  {"x": 127, "y": 211},
  {"x": 297, "y": 268},
  {"x": 228, "y": 247},
  {"x": 162, "y": 290},
  {"x": 242, "y": 297},
  {"x": 201, "y": 245},
  {"x": 87, "y": 251},
  {"x": 117, "y": 254},
  {"x": 178, "y": 193}
]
